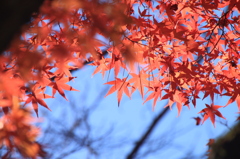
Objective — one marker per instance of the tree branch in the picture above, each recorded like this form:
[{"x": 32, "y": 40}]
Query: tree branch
[{"x": 142, "y": 140}]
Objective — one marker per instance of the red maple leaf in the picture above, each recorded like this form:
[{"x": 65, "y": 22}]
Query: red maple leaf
[
  {"x": 139, "y": 80},
  {"x": 211, "y": 111},
  {"x": 61, "y": 85},
  {"x": 198, "y": 120},
  {"x": 36, "y": 97},
  {"x": 121, "y": 86}
]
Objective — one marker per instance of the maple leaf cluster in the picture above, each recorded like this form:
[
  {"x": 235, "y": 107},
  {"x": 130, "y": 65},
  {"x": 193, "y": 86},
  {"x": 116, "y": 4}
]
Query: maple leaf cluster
[{"x": 175, "y": 50}]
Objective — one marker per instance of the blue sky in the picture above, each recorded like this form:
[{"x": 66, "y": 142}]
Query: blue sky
[{"x": 179, "y": 135}]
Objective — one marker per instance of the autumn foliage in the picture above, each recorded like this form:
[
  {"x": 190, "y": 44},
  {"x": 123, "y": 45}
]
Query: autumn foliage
[{"x": 178, "y": 50}]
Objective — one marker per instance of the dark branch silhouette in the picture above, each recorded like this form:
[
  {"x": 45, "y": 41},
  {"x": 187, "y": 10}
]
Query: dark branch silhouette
[{"x": 143, "y": 138}]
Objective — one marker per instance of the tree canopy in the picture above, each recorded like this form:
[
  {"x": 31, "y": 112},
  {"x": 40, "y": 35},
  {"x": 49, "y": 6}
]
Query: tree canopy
[{"x": 181, "y": 51}]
